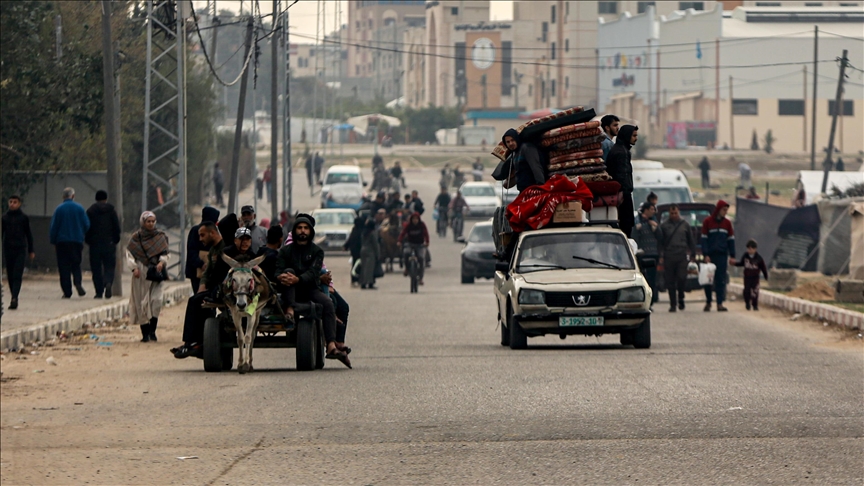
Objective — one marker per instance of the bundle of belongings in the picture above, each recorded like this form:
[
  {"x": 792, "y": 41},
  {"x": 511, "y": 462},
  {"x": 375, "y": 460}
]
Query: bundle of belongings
[{"x": 534, "y": 207}]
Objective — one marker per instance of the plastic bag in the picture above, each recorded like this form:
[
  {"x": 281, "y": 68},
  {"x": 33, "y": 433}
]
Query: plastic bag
[{"x": 706, "y": 274}]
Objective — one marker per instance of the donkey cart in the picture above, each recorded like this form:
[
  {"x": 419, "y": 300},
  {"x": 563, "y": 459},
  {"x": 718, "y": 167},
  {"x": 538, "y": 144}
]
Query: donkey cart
[{"x": 273, "y": 331}]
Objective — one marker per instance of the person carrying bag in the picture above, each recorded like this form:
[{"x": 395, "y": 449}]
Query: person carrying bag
[{"x": 145, "y": 301}]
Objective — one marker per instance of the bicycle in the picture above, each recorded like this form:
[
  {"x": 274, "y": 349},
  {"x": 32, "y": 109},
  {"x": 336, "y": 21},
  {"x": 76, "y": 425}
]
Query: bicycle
[{"x": 457, "y": 223}]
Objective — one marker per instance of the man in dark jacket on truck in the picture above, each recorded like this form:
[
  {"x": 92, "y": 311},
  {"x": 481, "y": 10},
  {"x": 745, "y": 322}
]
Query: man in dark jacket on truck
[
  {"x": 718, "y": 246},
  {"x": 526, "y": 161},
  {"x": 298, "y": 270},
  {"x": 102, "y": 238},
  {"x": 618, "y": 166},
  {"x": 677, "y": 249}
]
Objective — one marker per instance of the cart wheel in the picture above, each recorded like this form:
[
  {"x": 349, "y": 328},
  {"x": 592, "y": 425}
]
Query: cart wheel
[
  {"x": 306, "y": 341},
  {"x": 320, "y": 348},
  {"x": 213, "y": 346}
]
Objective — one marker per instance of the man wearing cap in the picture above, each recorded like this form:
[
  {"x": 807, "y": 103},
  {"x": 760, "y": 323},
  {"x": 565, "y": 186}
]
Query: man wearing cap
[
  {"x": 102, "y": 238},
  {"x": 298, "y": 270},
  {"x": 214, "y": 275},
  {"x": 259, "y": 234}
]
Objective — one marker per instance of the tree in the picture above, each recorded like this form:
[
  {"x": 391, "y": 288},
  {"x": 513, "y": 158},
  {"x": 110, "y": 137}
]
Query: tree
[
  {"x": 754, "y": 143},
  {"x": 769, "y": 142}
]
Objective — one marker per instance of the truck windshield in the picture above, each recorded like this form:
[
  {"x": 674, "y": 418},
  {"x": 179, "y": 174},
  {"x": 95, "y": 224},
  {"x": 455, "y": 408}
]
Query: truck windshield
[
  {"x": 665, "y": 195},
  {"x": 536, "y": 253}
]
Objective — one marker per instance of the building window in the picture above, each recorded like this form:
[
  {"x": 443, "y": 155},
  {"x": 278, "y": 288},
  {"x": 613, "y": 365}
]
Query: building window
[
  {"x": 506, "y": 68},
  {"x": 357, "y": 24},
  {"x": 552, "y": 15},
  {"x": 389, "y": 22},
  {"x": 642, "y": 7},
  {"x": 745, "y": 107},
  {"x": 530, "y": 90},
  {"x": 848, "y": 108},
  {"x": 790, "y": 107},
  {"x": 607, "y": 7},
  {"x": 846, "y": 4},
  {"x": 812, "y": 4},
  {"x": 544, "y": 32},
  {"x": 693, "y": 5},
  {"x": 370, "y": 23},
  {"x": 768, "y": 4},
  {"x": 566, "y": 45},
  {"x": 454, "y": 10},
  {"x": 552, "y": 89},
  {"x": 552, "y": 50},
  {"x": 566, "y": 82}
]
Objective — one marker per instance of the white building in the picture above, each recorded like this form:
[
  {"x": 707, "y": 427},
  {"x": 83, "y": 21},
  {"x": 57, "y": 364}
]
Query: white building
[{"x": 679, "y": 85}]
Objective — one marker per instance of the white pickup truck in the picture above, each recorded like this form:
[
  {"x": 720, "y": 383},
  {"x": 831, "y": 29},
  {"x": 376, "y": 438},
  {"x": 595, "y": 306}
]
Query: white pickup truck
[{"x": 580, "y": 279}]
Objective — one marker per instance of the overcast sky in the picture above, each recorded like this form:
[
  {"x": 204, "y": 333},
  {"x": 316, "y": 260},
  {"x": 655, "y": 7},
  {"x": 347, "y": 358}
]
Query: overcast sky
[{"x": 303, "y": 13}]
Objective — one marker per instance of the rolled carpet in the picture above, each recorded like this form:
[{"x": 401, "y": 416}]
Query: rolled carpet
[
  {"x": 575, "y": 163},
  {"x": 574, "y": 145},
  {"x": 597, "y": 177},
  {"x": 592, "y": 152},
  {"x": 584, "y": 169},
  {"x": 554, "y": 141},
  {"x": 570, "y": 129}
]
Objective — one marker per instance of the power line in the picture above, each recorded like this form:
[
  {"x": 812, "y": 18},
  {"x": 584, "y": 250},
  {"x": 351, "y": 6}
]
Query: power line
[{"x": 207, "y": 56}]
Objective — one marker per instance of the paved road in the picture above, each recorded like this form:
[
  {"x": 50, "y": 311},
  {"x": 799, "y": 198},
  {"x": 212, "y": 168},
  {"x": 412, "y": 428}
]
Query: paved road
[{"x": 434, "y": 399}]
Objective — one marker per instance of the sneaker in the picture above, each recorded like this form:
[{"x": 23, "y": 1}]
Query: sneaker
[
  {"x": 185, "y": 351},
  {"x": 108, "y": 292},
  {"x": 97, "y": 296},
  {"x": 681, "y": 306},
  {"x": 67, "y": 296},
  {"x": 673, "y": 309},
  {"x": 747, "y": 306},
  {"x": 81, "y": 291},
  {"x": 755, "y": 307},
  {"x": 720, "y": 308},
  {"x": 707, "y": 308},
  {"x": 13, "y": 304}
]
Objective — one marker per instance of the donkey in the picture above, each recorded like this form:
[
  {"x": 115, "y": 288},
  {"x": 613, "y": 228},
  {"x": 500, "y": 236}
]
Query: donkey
[{"x": 242, "y": 288}]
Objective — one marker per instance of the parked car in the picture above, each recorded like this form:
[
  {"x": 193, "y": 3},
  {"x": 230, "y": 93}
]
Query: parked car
[
  {"x": 343, "y": 187},
  {"x": 579, "y": 279},
  {"x": 481, "y": 199},
  {"x": 477, "y": 259},
  {"x": 693, "y": 214},
  {"x": 332, "y": 227}
]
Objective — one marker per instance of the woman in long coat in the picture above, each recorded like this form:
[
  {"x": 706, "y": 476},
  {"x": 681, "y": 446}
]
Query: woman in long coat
[
  {"x": 369, "y": 254},
  {"x": 147, "y": 246}
]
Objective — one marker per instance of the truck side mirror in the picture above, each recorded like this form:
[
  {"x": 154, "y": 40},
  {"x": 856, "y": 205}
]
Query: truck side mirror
[{"x": 502, "y": 267}]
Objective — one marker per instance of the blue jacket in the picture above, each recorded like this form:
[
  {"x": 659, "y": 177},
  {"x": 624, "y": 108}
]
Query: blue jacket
[
  {"x": 606, "y": 145},
  {"x": 69, "y": 223}
]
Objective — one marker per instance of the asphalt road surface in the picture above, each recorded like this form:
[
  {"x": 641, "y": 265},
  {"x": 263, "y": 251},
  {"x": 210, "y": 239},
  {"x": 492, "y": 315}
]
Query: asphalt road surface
[{"x": 433, "y": 398}]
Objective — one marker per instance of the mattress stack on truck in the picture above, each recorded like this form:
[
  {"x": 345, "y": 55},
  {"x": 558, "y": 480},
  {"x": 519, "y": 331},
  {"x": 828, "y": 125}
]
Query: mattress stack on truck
[{"x": 574, "y": 150}]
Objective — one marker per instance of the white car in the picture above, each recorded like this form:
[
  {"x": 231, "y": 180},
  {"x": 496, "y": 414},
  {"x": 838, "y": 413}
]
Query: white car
[
  {"x": 332, "y": 227},
  {"x": 343, "y": 188},
  {"x": 481, "y": 199},
  {"x": 573, "y": 280}
]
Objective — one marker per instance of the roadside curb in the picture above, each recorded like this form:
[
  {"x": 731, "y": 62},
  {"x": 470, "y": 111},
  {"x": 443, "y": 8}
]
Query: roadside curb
[
  {"x": 46, "y": 330},
  {"x": 844, "y": 318}
]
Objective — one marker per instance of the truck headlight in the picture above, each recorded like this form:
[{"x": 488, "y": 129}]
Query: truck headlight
[
  {"x": 632, "y": 294},
  {"x": 532, "y": 297}
]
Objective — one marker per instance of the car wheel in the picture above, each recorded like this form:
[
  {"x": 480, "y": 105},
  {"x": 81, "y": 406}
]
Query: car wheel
[
  {"x": 467, "y": 279},
  {"x": 518, "y": 338},
  {"x": 642, "y": 335},
  {"x": 505, "y": 334}
]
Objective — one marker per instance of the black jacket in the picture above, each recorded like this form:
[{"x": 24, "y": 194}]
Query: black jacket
[
  {"x": 618, "y": 163},
  {"x": 305, "y": 261},
  {"x": 218, "y": 269},
  {"x": 16, "y": 231},
  {"x": 194, "y": 245},
  {"x": 104, "y": 225},
  {"x": 530, "y": 167},
  {"x": 268, "y": 266}
]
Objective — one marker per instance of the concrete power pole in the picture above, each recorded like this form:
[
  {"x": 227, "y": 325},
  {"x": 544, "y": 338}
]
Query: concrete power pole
[
  {"x": 238, "y": 131},
  {"x": 111, "y": 112},
  {"x": 838, "y": 111},
  {"x": 274, "y": 119}
]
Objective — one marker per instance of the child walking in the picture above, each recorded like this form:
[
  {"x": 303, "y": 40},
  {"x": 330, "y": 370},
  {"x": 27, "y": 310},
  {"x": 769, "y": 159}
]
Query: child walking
[{"x": 753, "y": 265}]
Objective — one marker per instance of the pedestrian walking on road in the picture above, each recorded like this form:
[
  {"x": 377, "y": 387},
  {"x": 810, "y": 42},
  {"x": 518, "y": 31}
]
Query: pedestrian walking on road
[
  {"x": 645, "y": 234},
  {"x": 102, "y": 239},
  {"x": 148, "y": 246},
  {"x": 753, "y": 265},
  {"x": 609, "y": 124},
  {"x": 718, "y": 246},
  {"x": 17, "y": 245},
  {"x": 69, "y": 225},
  {"x": 354, "y": 245},
  {"x": 218, "y": 184},
  {"x": 310, "y": 171},
  {"x": 370, "y": 252},
  {"x": 621, "y": 169},
  {"x": 319, "y": 166},
  {"x": 705, "y": 170},
  {"x": 196, "y": 251},
  {"x": 677, "y": 247},
  {"x": 267, "y": 178}
]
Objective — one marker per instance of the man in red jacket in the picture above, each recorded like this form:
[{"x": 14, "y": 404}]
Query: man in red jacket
[
  {"x": 415, "y": 237},
  {"x": 718, "y": 246}
]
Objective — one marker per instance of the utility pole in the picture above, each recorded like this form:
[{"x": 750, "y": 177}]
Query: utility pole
[
  {"x": 815, "y": 96},
  {"x": 838, "y": 111},
  {"x": 274, "y": 119},
  {"x": 287, "y": 166},
  {"x": 483, "y": 84},
  {"x": 731, "y": 117},
  {"x": 238, "y": 130},
  {"x": 215, "y": 23},
  {"x": 111, "y": 119},
  {"x": 804, "y": 113}
]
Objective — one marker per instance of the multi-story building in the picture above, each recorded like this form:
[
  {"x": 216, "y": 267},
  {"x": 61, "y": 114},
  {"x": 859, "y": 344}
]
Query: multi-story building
[
  {"x": 365, "y": 18},
  {"x": 715, "y": 78}
]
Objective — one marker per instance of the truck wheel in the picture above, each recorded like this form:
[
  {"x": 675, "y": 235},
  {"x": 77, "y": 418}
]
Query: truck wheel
[
  {"x": 213, "y": 345},
  {"x": 518, "y": 338},
  {"x": 306, "y": 341},
  {"x": 642, "y": 335},
  {"x": 505, "y": 334}
]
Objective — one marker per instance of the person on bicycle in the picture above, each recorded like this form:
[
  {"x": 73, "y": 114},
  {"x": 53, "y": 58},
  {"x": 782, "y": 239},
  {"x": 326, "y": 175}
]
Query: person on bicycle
[
  {"x": 442, "y": 203},
  {"x": 415, "y": 237}
]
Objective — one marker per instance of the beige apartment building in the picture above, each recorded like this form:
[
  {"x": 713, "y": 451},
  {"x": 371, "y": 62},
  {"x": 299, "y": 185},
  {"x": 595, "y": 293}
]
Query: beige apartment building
[{"x": 365, "y": 18}]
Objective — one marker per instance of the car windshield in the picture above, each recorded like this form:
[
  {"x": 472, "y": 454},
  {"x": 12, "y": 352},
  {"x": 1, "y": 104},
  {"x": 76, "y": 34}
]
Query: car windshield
[
  {"x": 482, "y": 233},
  {"x": 557, "y": 251},
  {"x": 342, "y": 177},
  {"x": 665, "y": 195},
  {"x": 475, "y": 191},
  {"x": 334, "y": 218},
  {"x": 693, "y": 216}
]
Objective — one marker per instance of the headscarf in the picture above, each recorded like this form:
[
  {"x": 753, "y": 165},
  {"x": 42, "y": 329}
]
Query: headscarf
[
  {"x": 625, "y": 133},
  {"x": 147, "y": 244},
  {"x": 511, "y": 132}
]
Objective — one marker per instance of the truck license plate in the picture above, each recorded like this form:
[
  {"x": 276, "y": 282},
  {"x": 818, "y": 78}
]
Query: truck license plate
[{"x": 579, "y": 321}]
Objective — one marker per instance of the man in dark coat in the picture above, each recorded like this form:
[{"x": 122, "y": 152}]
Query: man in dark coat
[
  {"x": 645, "y": 234},
  {"x": 618, "y": 166},
  {"x": 526, "y": 161},
  {"x": 677, "y": 249},
  {"x": 195, "y": 249},
  {"x": 705, "y": 170},
  {"x": 17, "y": 245},
  {"x": 102, "y": 238}
]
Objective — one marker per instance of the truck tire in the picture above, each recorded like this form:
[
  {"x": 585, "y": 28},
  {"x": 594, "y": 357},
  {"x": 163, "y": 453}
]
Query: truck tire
[
  {"x": 307, "y": 339},
  {"x": 518, "y": 338},
  {"x": 505, "y": 334},
  {"x": 213, "y": 346},
  {"x": 641, "y": 336}
]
